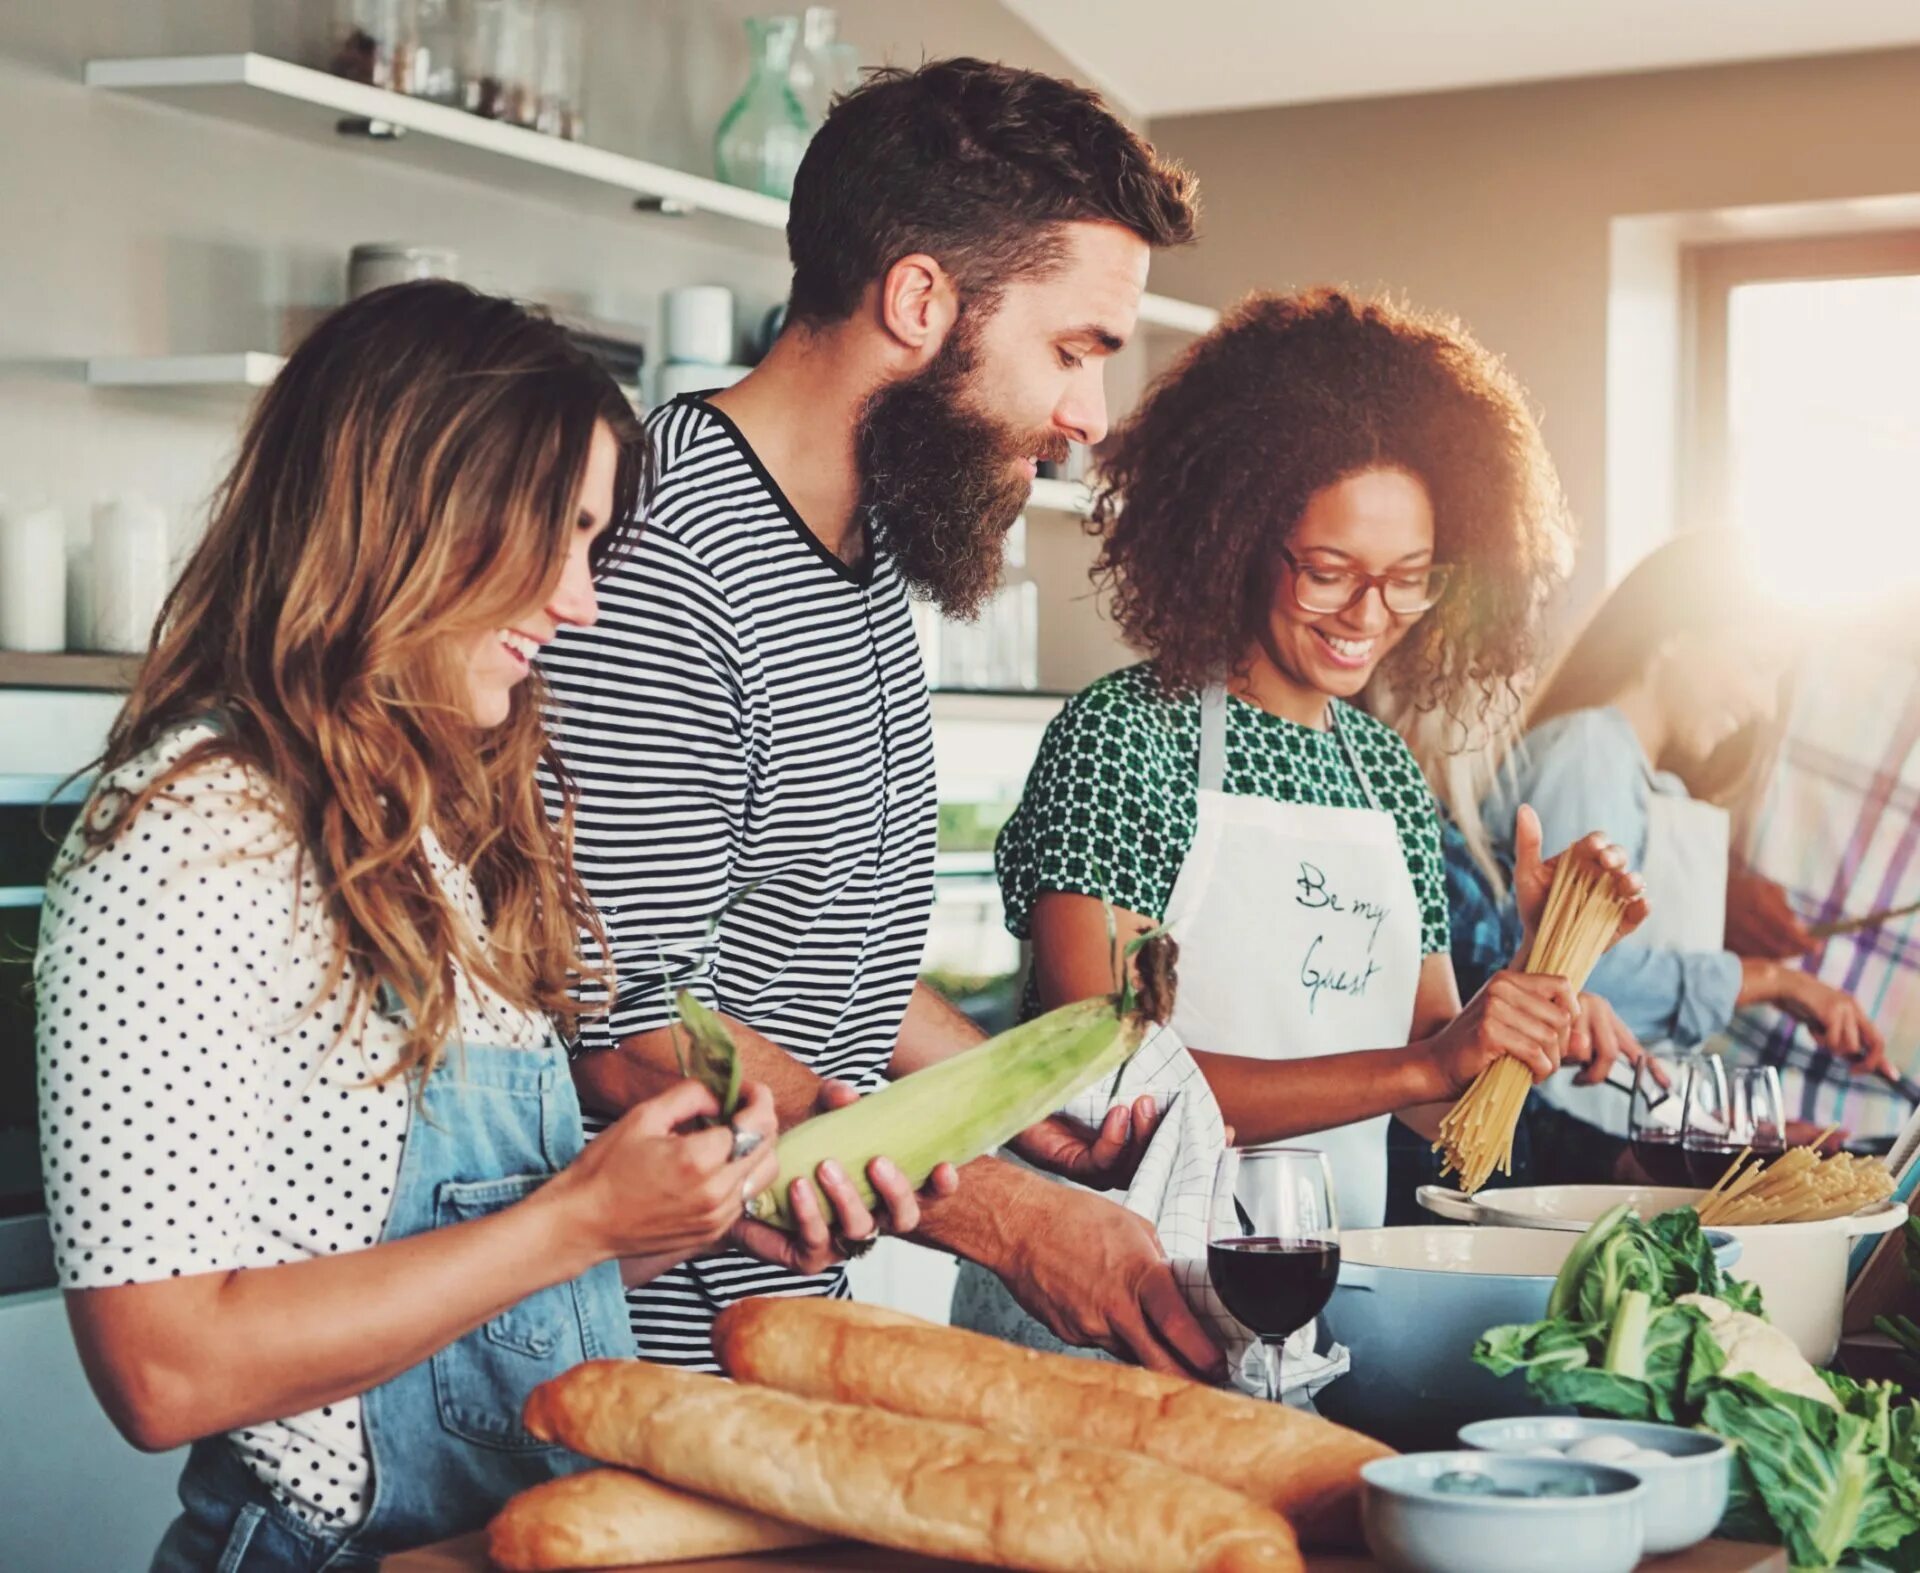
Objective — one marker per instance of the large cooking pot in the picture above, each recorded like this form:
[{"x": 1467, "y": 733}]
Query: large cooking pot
[
  {"x": 1410, "y": 1305},
  {"x": 1800, "y": 1268}
]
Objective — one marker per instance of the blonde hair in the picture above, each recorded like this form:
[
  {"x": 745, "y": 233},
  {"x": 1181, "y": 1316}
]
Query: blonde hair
[
  {"x": 411, "y": 478},
  {"x": 1463, "y": 757},
  {"x": 1695, "y": 583}
]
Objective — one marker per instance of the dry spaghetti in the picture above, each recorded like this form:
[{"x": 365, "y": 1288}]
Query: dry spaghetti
[
  {"x": 1580, "y": 920},
  {"x": 1799, "y": 1186}
]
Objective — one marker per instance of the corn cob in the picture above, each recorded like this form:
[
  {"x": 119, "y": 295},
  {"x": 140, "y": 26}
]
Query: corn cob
[{"x": 968, "y": 1105}]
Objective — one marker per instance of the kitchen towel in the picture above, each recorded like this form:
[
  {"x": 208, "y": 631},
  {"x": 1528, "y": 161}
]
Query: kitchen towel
[{"x": 1172, "y": 1189}]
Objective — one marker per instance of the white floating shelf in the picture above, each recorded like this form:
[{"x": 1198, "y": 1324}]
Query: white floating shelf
[
  {"x": 246, "y": 369},
  {"x": 1061, "y": 497},
  {"x": 256, "y": 368},
  {"x": 290, "y": 100}
]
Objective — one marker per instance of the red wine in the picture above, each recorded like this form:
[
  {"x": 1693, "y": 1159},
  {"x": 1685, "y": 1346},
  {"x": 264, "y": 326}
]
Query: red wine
[
  {"x": 1274, "y": 1286},
  {"x": 1661, "y": 1157},
  {"x": 1707, "y": 1162}
]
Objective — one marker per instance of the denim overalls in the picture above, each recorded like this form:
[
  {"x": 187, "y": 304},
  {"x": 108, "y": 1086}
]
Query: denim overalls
[{"x": 491, "y": 1124}]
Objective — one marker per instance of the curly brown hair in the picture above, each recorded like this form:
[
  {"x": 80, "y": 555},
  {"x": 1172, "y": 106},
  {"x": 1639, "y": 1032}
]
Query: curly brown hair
[{"x": 1204, "y": 482}]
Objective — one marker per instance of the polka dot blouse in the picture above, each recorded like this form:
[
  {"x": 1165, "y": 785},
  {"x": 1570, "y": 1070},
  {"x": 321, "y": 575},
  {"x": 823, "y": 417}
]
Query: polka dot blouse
[{"x": 197, "y": 1113}]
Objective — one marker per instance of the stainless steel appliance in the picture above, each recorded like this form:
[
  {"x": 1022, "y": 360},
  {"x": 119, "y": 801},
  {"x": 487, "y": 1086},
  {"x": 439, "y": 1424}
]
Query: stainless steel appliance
[{"x": 35, "y": 814}]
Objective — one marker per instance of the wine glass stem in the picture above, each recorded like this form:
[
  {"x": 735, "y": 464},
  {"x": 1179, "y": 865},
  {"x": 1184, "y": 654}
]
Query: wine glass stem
[{"x": 1275, "y": 1350}]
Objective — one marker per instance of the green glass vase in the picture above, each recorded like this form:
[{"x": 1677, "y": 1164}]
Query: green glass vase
[{"x": 761, "y": 138}]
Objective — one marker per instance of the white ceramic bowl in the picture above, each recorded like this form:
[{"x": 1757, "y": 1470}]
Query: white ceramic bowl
[
  {"x": 1413, "y": 1528},
  {"x": 1800, "y": 1268},
  {"x": 1686, "y": 1494}
]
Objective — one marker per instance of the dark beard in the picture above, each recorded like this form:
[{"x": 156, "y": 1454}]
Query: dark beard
[{"x": 940, "y": 483}]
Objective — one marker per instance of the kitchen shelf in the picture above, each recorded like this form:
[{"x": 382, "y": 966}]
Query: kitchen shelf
[
  {"x": 256, "y": 368},
  {"x": 316, "y": 106},
  {"x": 112, "y": 673},
  {"x": 243, "y": 369},
  {"x": 1061, "y": 497}
]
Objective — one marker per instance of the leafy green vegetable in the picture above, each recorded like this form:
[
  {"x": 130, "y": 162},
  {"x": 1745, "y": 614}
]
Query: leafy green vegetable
[
  {"x": 1824, "y": 1485},
  {"x": 1828, "y": 1483},
  {"x": 715, "y": 1062}
]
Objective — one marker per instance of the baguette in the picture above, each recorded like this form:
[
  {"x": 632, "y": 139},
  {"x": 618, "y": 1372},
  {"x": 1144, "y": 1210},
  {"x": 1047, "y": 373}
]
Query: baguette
[
  {"x": 1301, "y": 1466},
  {"x": 915, "y": 1485},
  {"x": 611, "y": 1518}
]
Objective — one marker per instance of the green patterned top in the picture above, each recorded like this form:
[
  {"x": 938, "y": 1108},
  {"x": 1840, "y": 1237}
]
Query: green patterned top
[{"x": 1109, "y": 810}]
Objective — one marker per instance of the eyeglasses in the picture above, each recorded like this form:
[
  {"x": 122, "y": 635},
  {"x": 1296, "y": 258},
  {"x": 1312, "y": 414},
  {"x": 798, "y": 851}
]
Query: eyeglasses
[{"x": 1324, "y": 589}]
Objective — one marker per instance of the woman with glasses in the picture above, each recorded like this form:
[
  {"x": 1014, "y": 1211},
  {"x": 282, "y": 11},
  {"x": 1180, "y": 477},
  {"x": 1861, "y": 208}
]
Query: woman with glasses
[
  {"x": 1324, "y": 490},
  {"x": 1660, "y": 714}
]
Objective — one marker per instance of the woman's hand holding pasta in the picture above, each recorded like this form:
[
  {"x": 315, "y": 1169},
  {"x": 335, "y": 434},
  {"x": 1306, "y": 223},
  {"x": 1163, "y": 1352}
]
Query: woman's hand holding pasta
[{"x": 1574, "y": 907}]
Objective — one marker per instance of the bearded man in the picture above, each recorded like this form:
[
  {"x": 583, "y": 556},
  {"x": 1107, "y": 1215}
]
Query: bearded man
[{"x": 748, "y": 722}]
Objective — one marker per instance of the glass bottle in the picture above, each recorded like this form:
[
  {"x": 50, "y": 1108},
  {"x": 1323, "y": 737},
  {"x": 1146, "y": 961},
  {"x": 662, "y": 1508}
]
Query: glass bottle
[
  {"x": 760, "y": 139},
  {"x": 436, "y": 56},
  {"x": 562, "y": 70},
  {"x": 374, "y": 41},
  {"x": 814, "y": 69},
  {"x": 500, "y": 59}
]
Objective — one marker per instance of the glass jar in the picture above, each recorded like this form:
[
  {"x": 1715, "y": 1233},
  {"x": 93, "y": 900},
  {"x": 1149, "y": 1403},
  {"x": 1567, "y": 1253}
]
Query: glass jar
[
  {"x": 761, "y": 138},
  {"x": 500, "y": 59},
  {"x": 435, "y": 70},
  {"x": 374, "y": 41},
  {"x": 557, "y": 108}
]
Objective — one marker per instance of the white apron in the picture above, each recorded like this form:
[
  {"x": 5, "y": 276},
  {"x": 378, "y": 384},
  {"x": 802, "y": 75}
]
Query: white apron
[
  {"x": 1686, "y": 873},
  {"x": 1299, "y": 936}
]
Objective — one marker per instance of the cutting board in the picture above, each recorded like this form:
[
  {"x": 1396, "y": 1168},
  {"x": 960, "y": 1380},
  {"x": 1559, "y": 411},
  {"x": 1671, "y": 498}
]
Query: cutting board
[{"x": 468, "y": 1555}]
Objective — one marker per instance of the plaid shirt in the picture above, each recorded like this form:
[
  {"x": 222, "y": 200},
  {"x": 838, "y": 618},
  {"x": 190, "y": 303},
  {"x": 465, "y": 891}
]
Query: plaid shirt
[{"x": 1839, "y": 829}]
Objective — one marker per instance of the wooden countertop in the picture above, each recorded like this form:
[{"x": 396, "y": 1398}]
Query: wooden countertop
[{"x": 468, "y": 1555}]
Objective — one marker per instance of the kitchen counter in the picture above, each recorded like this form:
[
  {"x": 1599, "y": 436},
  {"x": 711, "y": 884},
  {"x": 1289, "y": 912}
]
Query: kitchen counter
[{"x": 468, "y": 1555}]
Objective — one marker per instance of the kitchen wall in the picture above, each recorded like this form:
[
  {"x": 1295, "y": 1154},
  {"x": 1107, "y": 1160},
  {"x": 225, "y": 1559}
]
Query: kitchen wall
[
  {"x": 138, "y": 228},
  {"x": 1500, "y": 205}
]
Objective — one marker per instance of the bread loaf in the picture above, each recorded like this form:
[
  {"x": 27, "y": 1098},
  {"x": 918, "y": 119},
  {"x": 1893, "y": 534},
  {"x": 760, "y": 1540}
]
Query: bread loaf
[
  {"x": 916, "y": 1485},
  {"x": 1297, "y": 1464},
  {"x": 611, "y": 1518}
]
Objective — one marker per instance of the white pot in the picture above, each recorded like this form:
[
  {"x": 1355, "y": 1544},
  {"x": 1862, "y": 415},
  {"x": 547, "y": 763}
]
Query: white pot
[{"x": 1800, "y": 1268}]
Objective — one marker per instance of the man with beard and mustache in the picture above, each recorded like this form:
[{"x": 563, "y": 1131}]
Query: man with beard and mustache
[{"x": 748, "y": 721}]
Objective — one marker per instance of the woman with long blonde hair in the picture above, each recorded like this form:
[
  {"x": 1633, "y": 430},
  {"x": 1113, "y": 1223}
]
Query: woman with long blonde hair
[
  {"x": 1652, "y": 725},
  {"x": 315, "y": 1165}
]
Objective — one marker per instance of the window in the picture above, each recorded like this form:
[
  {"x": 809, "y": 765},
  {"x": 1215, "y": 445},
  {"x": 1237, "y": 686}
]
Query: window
[{"x": 1806, "y": 432}]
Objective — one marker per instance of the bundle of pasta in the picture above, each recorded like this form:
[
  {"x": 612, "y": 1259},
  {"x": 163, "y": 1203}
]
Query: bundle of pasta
[
  {"x": 1799, "y": 1186},
  {"x": 1582, "y": 915}
]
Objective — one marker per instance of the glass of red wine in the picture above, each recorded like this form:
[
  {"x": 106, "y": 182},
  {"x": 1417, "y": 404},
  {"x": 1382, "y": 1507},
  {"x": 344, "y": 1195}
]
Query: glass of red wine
[
  {"x": 1273, "y": 1242},
  {"x": 1714, "y": 1132},
  {"x": 1760, "y": 1111},
  {"x": 1663, "y": 1092}
]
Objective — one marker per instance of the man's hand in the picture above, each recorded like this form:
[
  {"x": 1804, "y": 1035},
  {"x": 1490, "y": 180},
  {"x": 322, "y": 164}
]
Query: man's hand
[
  {"x": 1095, "y": 1274},
  {"x": 1599, "y": 1040},
  {"x": 816, "y": 1244},
  {"x": 1103, "y": 1159},
  {"x": 1761, "y": 921}
]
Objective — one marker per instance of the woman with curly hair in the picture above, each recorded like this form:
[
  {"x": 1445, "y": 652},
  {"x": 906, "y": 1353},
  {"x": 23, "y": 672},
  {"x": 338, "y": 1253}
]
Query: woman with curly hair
[{"x": 1325, "y": 490}]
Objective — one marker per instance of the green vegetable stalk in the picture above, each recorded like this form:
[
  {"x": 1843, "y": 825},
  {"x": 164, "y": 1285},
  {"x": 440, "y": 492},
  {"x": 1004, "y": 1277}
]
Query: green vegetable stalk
[{"x": 1643, "y": 1325}]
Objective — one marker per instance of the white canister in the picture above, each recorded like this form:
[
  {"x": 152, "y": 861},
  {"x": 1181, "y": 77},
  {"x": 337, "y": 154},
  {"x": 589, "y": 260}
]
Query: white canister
[
  {"x": 33, "y": 580},
  {"x": 699, "y": 325},
  {"x": 375, "y": 266},
  {"x": 130, "y": 573}
]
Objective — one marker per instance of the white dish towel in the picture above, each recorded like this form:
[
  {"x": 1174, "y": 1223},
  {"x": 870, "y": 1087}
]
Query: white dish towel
[{"x": 1172, "y": 1189}]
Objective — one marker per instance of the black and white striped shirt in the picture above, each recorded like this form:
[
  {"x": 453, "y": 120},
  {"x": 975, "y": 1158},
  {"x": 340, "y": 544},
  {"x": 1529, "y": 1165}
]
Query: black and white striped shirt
[{"x": 749, "y": 726}]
